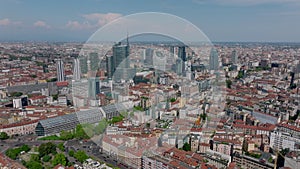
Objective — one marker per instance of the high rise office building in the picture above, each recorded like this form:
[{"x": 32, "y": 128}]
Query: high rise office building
[
  {"x": 213, "y": 60},
  {"x": 110, "y": 66},
  {"x": 234, "y": 57},
  {"x": 93, "y": 87},
  {"x": 76, "y": 70},
  {"x": 182, "y": 57},
  {"x": 182, "y": 53},
  {"x": 148, "y": 57},
  {"x": 60, "y": 70},
  {"x": 118, "y": 64}
]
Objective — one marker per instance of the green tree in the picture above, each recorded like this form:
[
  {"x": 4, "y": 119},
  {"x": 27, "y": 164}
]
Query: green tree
[
  {"x": 172, "y": 100},
  {"x": 46, "y": 149},
  {"x": 100, "y": 128},
  {"x": 61, "y": 146},
  {"x": 16, "y": 94},
  {"x": 228, "y": 83},
  {"x": 25, "y": 148},
  {"x": 14, "y": 152},
  {"x": 240, "y": 74},
  {"x": 59, "y": 159},
  {"x": 81, "y": 156},
  {"x": 55, "y": 96},
  {"x": 80, "y": 133},
  {"x": 34, "y": 157},
  {"x": 71, "y": 153},
  {"x": 34, "y": 165},
  {"x": 3, "y": 136},
  {"x": 46, "y": 158},
  {"x": 52, "y": 80},
  {"x": 66, "y": 135},
  {"x": 11, "y": 153},
  {"x": 186, "y": 147}
]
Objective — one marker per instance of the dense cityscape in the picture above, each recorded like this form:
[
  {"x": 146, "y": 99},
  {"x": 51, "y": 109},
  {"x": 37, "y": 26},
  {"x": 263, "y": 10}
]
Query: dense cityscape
[
  {"x": 154, "y": 119},
  {"x": 197, "y": 84}
]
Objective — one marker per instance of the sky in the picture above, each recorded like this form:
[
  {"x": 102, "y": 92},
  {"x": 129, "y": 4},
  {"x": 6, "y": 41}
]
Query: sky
[{"x": 219, "y": 20}]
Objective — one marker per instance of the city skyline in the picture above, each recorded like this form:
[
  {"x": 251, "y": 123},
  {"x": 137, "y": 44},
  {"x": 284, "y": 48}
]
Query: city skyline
[{"x": 221, "y": 21}]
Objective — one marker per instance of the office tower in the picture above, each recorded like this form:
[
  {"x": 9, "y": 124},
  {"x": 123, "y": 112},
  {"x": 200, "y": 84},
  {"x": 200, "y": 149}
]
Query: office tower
[
  {"x": 93, "y": 61},
  {"x": 120, "y": 62},
  {"x": 120, "y": 54},
  {"x": 60, "y": 70},
  {"x": 292, "y": 79},
  {"x": 234, "y": 57},
  {"x": 110, "y": 66},
  {"x": 148, "y": 57},
  {"x": 76, "y": 71},
  {"x": 179, "y": 66},
  {"x": 213, "y": 59},
  {"x": 182, "y": 56},
  {"x": 182, "y": 53},
  {"x": 93, "y": 87}
]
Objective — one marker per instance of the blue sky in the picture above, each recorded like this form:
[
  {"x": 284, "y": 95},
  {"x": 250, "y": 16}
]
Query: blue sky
[{"x": 220, "y": 20}]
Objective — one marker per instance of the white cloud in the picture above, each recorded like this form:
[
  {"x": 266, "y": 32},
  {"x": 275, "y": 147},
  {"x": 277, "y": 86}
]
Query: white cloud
[
  {"x": 7, "y": 22},
  {"x": 92, "y": 21},
  {"x": 75, "y": 25},
  {"x": 41, "y": 24},
  {"x": 102, "y": 19}
]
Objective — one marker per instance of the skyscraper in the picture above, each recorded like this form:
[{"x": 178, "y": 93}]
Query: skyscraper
[
  {"x": 148, "y": 57},
  {"x": 60, "y": 70},
  {"x": 76, "y": 71},
  {"x": 119, "y": 62},
  {"x": 94, "y": 87},
  {"x": 182, "y": 53},
  {"x": 182, "y": 57},
  {"x": 213, "y": 60},
  {"x": 110, "y": 66},
  {"x": 234, "y": 57}
]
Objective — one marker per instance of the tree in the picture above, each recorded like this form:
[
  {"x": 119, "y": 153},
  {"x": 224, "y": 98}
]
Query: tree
[
  {"x": 71, "y": 153},
  {"x": 3, "y": 136},
  {"x": 172, "y": 100},
  {"x": 35, "y": 157},
  {"x": 80, "y": 133},
  {"x": 33, "y": 165},
  {"x": 61, "y": 147},
  {"x": 81, "y": 156},
  {"x": 228, "y": 83},
  {"x": 186, "y": 147},
  {"x": 100, "y": 128},
  {"x": 16, "y": 94},
  {"x": 66, "y": 135},
  {"x": 55, "y": 96},
  {"x": 14, "y": 152},
  {"x": 240, "y": 74},
  {"x": 46, "y": 158},
  {"x": 25, "y": 148},
  {"x": 11, "y": 154},
  {"x": 47, "y": 148},
  {"x": 59, "y": 159}
]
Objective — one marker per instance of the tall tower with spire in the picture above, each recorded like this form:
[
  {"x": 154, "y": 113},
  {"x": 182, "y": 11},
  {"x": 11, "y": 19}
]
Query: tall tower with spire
[{"x": 119, "y": 61}]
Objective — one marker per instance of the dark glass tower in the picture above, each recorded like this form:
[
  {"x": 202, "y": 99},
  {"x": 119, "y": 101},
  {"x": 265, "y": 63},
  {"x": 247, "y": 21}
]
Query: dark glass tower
[{"x": 118, "y": 64}]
